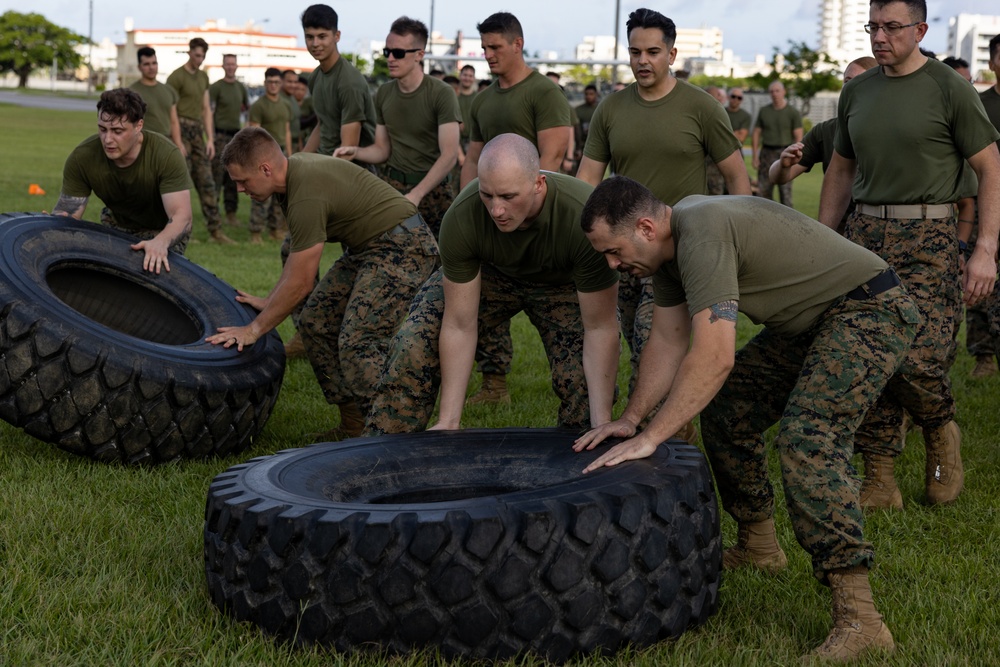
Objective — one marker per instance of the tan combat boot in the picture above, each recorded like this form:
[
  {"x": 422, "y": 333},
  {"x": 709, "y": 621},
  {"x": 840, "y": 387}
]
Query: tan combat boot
[
  {"x": 352, "y": 423},
  {"x": 688, "y": 434},
  {"x": 878, "y": 489},
  {"x": 944, "y": 473},
  {"x": 493, "y": 390},
  {"x": 231, "y": 219},
  {"x": 756, "y": 546},
  {"x": 986, "y": 366},
  {"x": 857, "y": 625},
  {"x": 218, "y": 237},
  {"x": 255, "y": 239},
  {"x": 295, "y": 348}
]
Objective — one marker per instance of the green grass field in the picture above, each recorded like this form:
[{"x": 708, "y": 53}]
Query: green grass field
[{"x": 102, "y": 565}]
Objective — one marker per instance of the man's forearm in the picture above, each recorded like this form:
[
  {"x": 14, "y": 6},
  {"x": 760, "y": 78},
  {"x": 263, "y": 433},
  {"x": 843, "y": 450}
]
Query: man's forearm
[
  {"x": 456, "y": 366},
  {"x": 601, "y": 348},
  {"x": 438, "y": 172}
]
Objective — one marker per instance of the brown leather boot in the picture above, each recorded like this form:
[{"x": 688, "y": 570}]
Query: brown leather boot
[
  {"x": 986, "y": 366},
  {"x": 493, "y": 390},
  {"x": 944, "y": 473},
  {"x": 688, "y": 434},
  {"x": 294, "y": 348},
  {"x": 255, "y": 239},
  {"x": 218, "y": 237},
  {"x": 878, "y": 489},
  {"x": 857, "y": 625},
  {"x": 231, "y": 219},
  {"x": 756, "y": 546},
  {"x": 352, "y": 423}
]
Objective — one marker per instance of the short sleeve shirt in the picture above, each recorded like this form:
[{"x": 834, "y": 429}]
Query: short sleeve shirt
[
  {"x": 330, "y": 200},
  {"x": 817, "y": 145},
  {"x": 739, "y": 119},
  {"x": 191, "y": 89},
  {"x": 412, "y": 121},
  {"x": 552, "y": 250},
  {"x": 340, "y": 96},
  {"x": 526, "y": 108},
  {"x": 911, "y": 135},
  {"x": 726, "y": 251},
  {"x": 158, "y": 99},
  {"x": 295, "y": 126},
  {"x": 991, "y": 102},
  {"x": 134, "y": 193},
  {"x": 670, "y": 161},
  {"x": 230, "y": 99},
  {"x": 778, "y": 125},
  {"x": 273, "y": 116},
  {"x": 465, "y": 106}
]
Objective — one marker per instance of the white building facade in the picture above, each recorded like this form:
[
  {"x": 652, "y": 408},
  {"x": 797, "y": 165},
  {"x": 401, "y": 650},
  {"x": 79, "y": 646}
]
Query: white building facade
[
  {"x": 969, "y": 37},
  {"x": 841, "y": 31}
]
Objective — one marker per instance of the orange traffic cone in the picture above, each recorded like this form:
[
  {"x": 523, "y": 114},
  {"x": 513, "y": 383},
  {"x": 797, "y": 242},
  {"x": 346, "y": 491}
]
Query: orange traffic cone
[{"x": 35, "y": 189}]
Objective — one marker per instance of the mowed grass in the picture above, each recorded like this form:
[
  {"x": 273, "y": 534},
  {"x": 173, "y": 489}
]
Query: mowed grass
[{"x": 102, "y": 565}]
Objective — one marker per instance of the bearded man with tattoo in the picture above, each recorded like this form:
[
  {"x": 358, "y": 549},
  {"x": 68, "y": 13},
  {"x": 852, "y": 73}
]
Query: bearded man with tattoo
[{"x": 837, "y": 325}]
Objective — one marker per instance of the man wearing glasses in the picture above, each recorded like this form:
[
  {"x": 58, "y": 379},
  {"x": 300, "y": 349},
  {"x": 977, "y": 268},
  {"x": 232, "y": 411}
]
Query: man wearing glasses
[
  {"x": 344, "y": 110},
  {"x": 906, "y": 129},
  {"x": 738, "y": 118},
  {"x": 417, "y": 131}
]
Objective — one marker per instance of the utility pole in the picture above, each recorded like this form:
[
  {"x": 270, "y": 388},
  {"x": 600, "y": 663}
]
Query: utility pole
[
  {"x": 614, "y": 56},
  {"x": 90, "y": 51}
]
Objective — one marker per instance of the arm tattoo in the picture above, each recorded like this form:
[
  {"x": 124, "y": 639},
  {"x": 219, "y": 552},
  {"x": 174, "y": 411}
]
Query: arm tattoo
[
  {"x": 724, "y": 310},
  {"x": 70, "y": 205}
]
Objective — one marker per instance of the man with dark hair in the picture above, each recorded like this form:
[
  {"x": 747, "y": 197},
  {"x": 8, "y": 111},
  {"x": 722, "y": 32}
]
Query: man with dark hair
[
  {"x": 289, "y": 86},
  {"x": 778, "y": 125},
  {"x": 960, "y": 65},
  {"x": 510, "y": 242},
  {"x": 352, "y": 314},
  {"x": 160, "y": 99},
  {"x": 905, "y": 132},
  {"x": 519, "y": 101},
  {"x": 837, "y": 325},
  {"x": 416, "y": 134},
  {"x": 194, "y": 110},
  {"x": 344, "y": 110},
  {"x": 139, "y": 175},
  {"x": 273, "y": 114},
  {"x": 689, "y": 125},
  {"x": 229, "y": 99},
  {"x": 585, "y": 113}
]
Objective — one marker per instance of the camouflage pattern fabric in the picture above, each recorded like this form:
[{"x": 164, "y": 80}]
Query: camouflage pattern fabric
[
  {"x": 409, "y": 387},
  {"x": 925, "y": 256},
  {"x": 434, "y": 204},
  {"x": 178, "y": 246},
  {"x": 818, "y": 386},
  {"x": 219, "y": 174},
  {"x": 192, "y": 134},
  {"x": 716, "y": 181},
  {"x": 635, "y": 314},
  {"x": 351, "y": 316},
  {"x": 765, "y": 188},
  {"x": 979, "y": 340},
  {"x": 267, "y": 212}
]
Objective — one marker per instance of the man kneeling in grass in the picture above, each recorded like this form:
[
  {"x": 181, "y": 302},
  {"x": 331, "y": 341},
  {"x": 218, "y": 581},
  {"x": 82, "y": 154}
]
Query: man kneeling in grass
[
  {"x": 510, "y": 242},
  {"x": 352, "y": 314},
  {"x": 837, "y": 326}
]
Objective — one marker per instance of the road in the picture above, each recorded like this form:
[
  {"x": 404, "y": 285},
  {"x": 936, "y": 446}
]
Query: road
[{"x": 47, "y": 101}]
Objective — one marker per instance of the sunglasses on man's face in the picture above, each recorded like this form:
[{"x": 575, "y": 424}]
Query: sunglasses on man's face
[
  {"x": 398, "y": 54},
  {"x": 736, "y": 97}
]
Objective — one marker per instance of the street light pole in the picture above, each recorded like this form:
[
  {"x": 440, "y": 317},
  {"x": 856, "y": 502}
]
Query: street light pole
[
  {"x": 90, "y": 51},
  {"x": 614, "y": 56}
]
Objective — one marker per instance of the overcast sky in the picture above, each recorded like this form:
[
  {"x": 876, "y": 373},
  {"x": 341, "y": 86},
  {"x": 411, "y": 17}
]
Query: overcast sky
[{"x": 748, "y": 26}]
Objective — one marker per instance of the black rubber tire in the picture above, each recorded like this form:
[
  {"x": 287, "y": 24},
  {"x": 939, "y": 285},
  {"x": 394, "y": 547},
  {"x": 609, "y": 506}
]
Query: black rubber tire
[
  {"x": 109, "y": 361},
  {"x": 482, "y": 543}
]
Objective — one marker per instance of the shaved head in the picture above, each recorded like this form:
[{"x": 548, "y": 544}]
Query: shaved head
[{"x": 510, "y": 151}]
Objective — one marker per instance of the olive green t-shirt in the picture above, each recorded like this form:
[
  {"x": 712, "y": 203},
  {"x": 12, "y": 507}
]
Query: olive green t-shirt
[
  {"x": 229, "y": 99},
  {"x": 526, "y": 108},
  {"x": 661, "y": 144},
  {"x": 991, "y": 102},
  {"x": 412, "y": 121},
  {"x": 553, "y": 250},
  {"x": 817, "y": 145},
  {"x": 465, "y": 106},
  {"x": 585, "y": 114},
  {"x": 330, "y": 200},
  {"x": 191, "y": 89},
  {"x": 778, "y": 125},
  {"x": 134, "y": 193},
  {"x": 782, "y": 267},
  {"x": 273, "y": 116},
  {"x": 340, "y": 96},
  {"x": 158, "y": 99},
  {"x": 307, "y": 116},
  {"x": 739, "y": 119},
  {"x": 911, "y": 135},
  {"x": 295, "y": 124}
]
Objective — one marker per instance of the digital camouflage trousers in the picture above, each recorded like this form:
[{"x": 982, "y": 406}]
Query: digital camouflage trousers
[
  {"x": 224, "y": 186},
  {"x": 179, "y": 245},
  {"x": 200, "y": 167},
  {"x": 765, "y": 188},
  {"x": 818, "y": 386}
]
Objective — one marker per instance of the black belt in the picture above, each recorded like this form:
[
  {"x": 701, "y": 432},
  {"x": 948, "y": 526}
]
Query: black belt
[
  {"x": 880, "y": 283},
  {"x": 412, "y": 178},
  {"x": 774, "y": 148},
  {"x": 411, "y": 223}
]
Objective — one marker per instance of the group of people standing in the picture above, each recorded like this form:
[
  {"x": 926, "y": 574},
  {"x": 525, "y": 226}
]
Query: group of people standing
[{"x": 857, "y": 328}]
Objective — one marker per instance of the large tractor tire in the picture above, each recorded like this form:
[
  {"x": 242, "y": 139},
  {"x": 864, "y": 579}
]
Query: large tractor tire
[
  {"x": 480, "y": 543},
  {"x": 109, "y": 361}
]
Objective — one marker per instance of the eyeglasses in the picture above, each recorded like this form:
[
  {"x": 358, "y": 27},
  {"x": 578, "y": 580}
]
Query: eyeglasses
[
  {"x": 398, "y": 54},
  {"x": 736, "y": 97},
  {"x": 889, "y": 29}
]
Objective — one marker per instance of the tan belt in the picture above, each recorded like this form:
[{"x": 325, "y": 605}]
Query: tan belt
[{"x": 908, "y": 211}]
